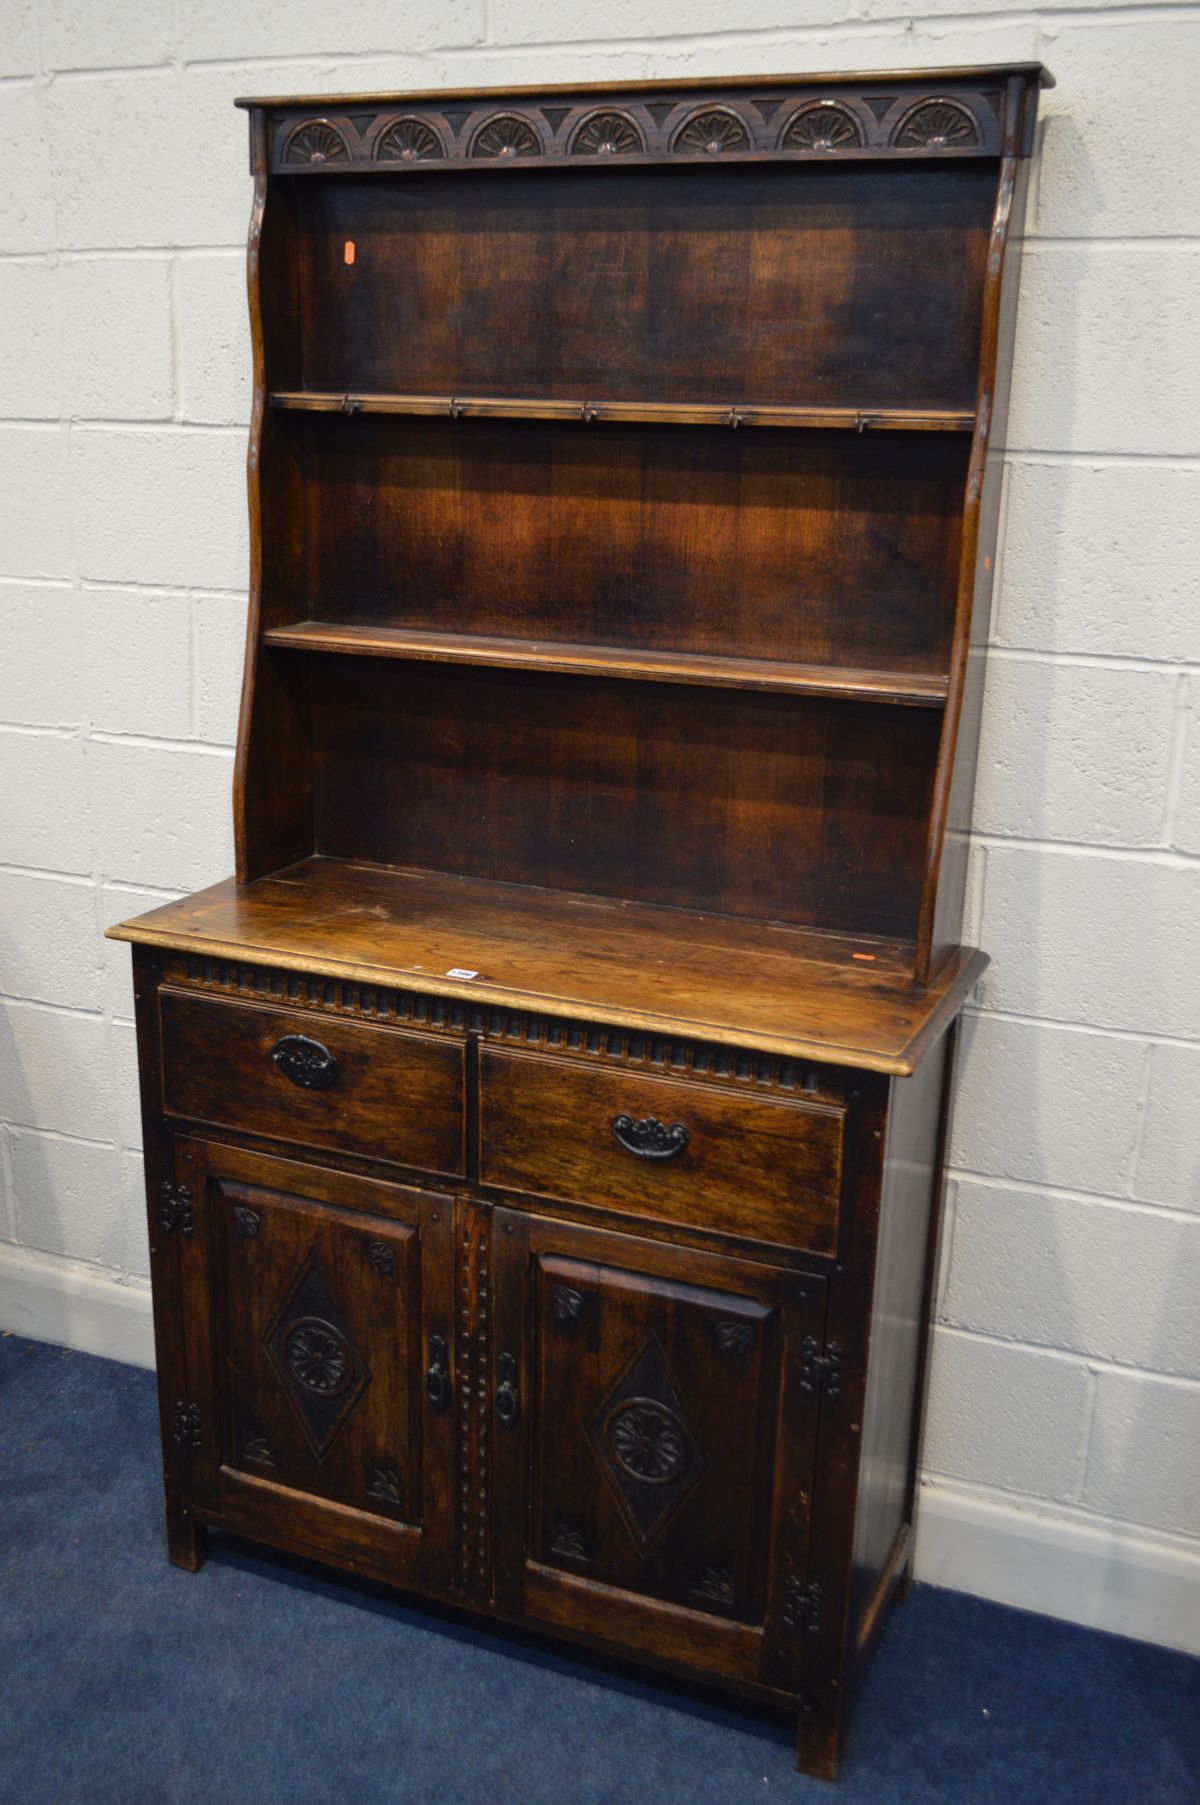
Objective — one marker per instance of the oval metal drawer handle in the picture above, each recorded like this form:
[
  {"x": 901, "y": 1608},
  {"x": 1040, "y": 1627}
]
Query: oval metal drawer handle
[
  {"x": 306, "y": 1062},
  {"x": 649, "y": 1138}
]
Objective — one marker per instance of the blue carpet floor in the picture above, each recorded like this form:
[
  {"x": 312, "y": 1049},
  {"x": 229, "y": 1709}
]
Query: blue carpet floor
[{"x": 264, "y": 1680}]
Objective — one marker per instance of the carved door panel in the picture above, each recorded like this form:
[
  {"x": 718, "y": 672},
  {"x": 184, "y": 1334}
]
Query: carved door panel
[
  {"x": 319, "y": 1323},
  {"x": 655, "y": 1425}
]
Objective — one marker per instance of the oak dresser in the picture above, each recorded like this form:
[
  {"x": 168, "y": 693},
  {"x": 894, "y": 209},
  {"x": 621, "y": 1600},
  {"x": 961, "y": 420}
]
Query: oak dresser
[{"x": 544, "y": 1128}]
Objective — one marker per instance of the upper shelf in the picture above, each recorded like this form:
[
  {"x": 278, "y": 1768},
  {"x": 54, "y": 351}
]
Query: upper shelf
[
  {"x": 912, "y": 687},
  {"x": 674, "y": 413}
]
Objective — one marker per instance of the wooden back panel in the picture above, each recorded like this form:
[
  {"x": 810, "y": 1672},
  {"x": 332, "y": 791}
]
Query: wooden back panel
[
  {"x": 741, "y": 803},
  {"x": 753, "y": 283},
  {"x": 788, "y": 545}
]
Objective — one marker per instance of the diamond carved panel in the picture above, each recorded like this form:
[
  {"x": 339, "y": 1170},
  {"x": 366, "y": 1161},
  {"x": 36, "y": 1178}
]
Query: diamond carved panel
[
  {"x": 647, "y": 1452},
  {"x": 315, "y": 1357}
]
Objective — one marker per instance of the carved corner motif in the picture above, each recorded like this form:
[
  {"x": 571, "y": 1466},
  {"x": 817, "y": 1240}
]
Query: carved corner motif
[
  {"x": 717, "y": 1584},
  {"x": 247, "y": 1223},
  {"x": 381, "y": 1257},
  {"x": 732, "y": 1338},
  {"x": 257, "y": 1448},
  {"x": 566, "y": 1304},
  {"x": 383, "y": 1483},
  {"x": 568, "y": 1542}
]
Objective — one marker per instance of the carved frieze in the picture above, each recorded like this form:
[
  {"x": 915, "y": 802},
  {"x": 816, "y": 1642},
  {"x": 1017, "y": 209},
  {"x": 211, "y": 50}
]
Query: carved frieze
[
  {"x": 603, "y": 1043},
  {"x": 430, "y": 136}
]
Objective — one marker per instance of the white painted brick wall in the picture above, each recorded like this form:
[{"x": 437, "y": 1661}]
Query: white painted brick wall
[{"x": 1067, "y": 1363}]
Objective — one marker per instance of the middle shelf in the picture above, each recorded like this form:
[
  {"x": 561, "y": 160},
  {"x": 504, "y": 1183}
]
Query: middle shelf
[{"x": 915, "y": 688}]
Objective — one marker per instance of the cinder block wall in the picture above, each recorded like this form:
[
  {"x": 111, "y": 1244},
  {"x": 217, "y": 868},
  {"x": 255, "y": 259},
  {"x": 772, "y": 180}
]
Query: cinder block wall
[{"x": 1063, "y": 1456}]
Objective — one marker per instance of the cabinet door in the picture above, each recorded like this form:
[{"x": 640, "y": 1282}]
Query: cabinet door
[
  {"x": 655, "y": 1420},
  {"x": 319, "y": 1327}
]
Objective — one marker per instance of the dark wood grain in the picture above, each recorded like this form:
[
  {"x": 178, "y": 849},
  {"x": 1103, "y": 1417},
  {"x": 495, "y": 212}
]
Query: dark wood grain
[
  {"x": 756, "y": 284},
  {"x": 767, "y": 1170},
  {"x": 652, "y": 1385},
  {"x": 397, "y": 1097},
  {"x": 420, "y": 645},
  {"x": 168, "y": 1247},
  {"x": 747, "y": 804},
  {"x": 899, "y": 1311},
  {"x": 809, "y": 547},
  {"x": 624, "y": 477},
  {"x": 829, "y": 997},
  {"x": 338, "y": 1429}
]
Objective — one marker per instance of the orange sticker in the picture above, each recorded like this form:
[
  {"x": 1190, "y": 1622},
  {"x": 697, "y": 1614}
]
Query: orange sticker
[
  {"x": 868, "y": 958},
  {"x": 349, "y": 250}
]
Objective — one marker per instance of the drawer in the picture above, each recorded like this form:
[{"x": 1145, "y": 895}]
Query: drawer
[
  {"x": 348, "y": 1086},
  {"x": 691, "y": 1153}
]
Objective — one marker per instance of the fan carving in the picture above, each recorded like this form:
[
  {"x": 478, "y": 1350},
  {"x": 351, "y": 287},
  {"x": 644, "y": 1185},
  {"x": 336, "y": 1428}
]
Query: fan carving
[
  {"x": 408, "y": 140},
  {"x": 822, "y": 125},
  {"x": 506, "y": 135},
  {"x": 712, "y": 133},
  {"x": 317, "y": 142},
  {"x": 607, "y": 135},
  {"x": 937, "y": 125}
]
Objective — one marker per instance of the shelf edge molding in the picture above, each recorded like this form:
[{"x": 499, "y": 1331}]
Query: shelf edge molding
[
  {"x": 591, "y": 412},
  {"x": 913, "y": 688}
]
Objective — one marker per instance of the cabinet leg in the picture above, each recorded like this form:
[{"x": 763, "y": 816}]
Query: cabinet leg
[
  {"x": 187, "y": 1540},
  {"x": 819, "y": 1736}
]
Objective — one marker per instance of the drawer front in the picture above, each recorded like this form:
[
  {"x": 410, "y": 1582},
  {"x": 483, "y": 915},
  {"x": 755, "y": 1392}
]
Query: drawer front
[
  {"x": 686, "y": 1153},
  {"x": 346, "y": 1086}
]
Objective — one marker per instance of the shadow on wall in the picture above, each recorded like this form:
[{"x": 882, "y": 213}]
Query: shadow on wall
[{"x": 1157, "y": 1475}]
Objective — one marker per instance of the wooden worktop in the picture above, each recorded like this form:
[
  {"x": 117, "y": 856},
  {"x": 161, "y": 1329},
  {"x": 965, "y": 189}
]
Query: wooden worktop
[{"x": 780, "y": 989}]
